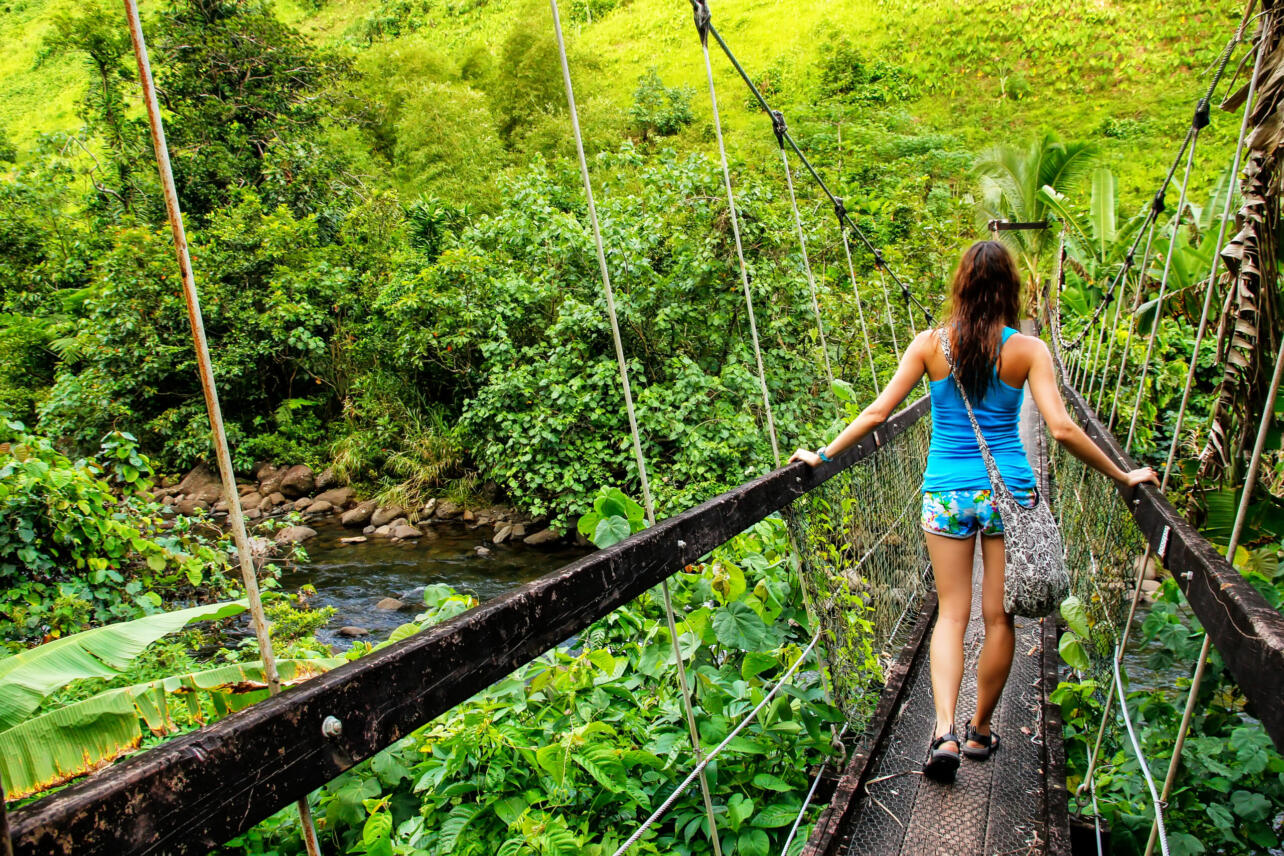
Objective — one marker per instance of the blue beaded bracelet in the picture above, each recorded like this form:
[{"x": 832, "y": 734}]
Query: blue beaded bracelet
[{"x": 823, "y": 456}]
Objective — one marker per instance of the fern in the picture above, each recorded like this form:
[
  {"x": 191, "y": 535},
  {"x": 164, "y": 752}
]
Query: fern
[{"x": 455, "y": 824}]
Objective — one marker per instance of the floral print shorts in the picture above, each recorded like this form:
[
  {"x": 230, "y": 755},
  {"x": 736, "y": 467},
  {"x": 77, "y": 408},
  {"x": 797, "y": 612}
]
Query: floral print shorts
[{"x": 962, "y": 513}]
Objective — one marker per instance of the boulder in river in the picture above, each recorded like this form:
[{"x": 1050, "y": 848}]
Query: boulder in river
[
  {"x": 302, "y": 503},
  {"x": 404, "y": 531},
  {"x": 358, "y": 516},
  {"x": 253, "y": 499},
  {"x": 295, "y": 534},
  {"x": 369, "y": 530},
  {"x": 276, "y": 498},
  {"x": 200, "y": 484},
  {"x": 320, "y": 506},
  {"x": 353, "y": 632},
  {"x": 544, "y": 536},
  {"x": 326, "y": 480},
  {"x": 270, "y": 479},
  {"x": 390, "y": 604},
  {"x": 503, "y": 534},
  {"x": 386, "y": 514},
  {"x": 297, "y": 481},
  {"x": 354, "y": 539},
  {"x": 339, "y": 497},
  {"x": 448, "y": 509},
  {"x": 519, "y": 530},
  {"x": 429, "y": 507},
  {"x": 482, "y": 551}
]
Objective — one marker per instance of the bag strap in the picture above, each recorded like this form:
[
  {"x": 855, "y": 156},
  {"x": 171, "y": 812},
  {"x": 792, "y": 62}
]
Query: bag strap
[{"x": 991, "y": 467}]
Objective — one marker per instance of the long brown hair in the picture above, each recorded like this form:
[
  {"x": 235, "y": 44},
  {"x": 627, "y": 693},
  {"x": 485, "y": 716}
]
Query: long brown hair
[{"x": 984, "y": 296}]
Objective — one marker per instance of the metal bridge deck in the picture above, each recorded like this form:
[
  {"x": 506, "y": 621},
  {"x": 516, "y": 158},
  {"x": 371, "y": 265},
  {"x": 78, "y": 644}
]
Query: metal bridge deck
[{"x": 1013, "y": 803}]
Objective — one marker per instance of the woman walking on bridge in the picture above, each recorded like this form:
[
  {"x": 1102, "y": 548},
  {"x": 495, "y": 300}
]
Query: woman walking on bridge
[{"x": 993, "y": 362}]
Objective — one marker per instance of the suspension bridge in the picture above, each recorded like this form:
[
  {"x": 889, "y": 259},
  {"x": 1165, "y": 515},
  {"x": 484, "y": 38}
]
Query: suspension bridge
[{"x": 854, "y": 525}]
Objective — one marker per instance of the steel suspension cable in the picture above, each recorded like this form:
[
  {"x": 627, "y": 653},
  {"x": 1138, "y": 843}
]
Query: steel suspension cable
[
  {"x": 1167, "y": 469},
  {"x": 1136, "y": 295},
  {"x": 1241, "y": 514},
  {"x": 702, "y": 24},
  {"x": 1212, "y": 273},
  {"x": 715, "y": 751},
  {"x": 860, "y": 311},
  {"x": 1141, "y": 756},
  {"x": 779, "y": 123},
  {"x": 639, "y": 457},
  {"x": 205, "y": 367},
  {"x": 1201, "y": 111}
]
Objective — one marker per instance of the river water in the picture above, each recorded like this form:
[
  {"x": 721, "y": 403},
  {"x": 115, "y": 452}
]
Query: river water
[{"x": 354, "y": 577}]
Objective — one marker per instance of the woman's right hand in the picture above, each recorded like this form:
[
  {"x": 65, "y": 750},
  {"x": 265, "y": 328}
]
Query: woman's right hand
[{"x": 1140, "y": 476}]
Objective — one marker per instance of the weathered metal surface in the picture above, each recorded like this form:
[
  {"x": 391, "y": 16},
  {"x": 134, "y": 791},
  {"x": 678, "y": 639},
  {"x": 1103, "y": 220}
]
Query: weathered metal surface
[
  {"x": 1247, "y": 631},
  {"x": 828, "y": 833},
  {"x": 200, "y": 789}
]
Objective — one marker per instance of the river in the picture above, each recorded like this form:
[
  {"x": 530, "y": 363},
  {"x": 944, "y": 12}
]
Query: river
[{"x": 354, "y": 577}]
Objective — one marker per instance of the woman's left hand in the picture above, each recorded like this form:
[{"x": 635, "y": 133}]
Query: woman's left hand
[{"x": 806, "y": 456}]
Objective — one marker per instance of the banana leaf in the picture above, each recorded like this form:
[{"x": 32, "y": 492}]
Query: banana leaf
[
  {"x": 104, "y": 652},
  {"x": 62, "y": 744}
]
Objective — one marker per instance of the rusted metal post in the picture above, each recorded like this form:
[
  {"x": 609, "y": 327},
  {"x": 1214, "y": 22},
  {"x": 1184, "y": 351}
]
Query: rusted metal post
[{"x": 218, "y": 434}]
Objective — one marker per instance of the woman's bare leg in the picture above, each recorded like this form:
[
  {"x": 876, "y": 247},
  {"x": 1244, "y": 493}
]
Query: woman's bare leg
[
  {"x": 952, "y": 567},
  {"x": 996, "y": 654}
]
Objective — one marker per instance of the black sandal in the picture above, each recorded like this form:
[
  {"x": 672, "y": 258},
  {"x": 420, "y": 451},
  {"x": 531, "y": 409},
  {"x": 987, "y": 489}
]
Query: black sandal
[
  {"x": 942, "y": 764},
  {"x": 989, "y": 743}
]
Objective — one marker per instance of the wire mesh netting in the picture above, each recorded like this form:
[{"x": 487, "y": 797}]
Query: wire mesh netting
[
  {"x": 1103, "y": 549},
  {"x": 862, "y": 562}
]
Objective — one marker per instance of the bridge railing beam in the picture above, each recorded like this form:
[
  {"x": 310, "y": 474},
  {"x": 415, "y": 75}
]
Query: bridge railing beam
[
  {"x": 1246, "y": 630},
  {"x": 196, "y": 791}
]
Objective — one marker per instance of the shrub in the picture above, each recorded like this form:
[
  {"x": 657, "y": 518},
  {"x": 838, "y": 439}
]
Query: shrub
[{"x": 659, "y": 109}]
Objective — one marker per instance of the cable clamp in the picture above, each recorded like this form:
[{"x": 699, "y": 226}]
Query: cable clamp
[
  {"x": 879, "y": 261},
  {"x": 1157, "y": 204},
  {"x": 703, "y": 18},
  {"x": 840, "y": 210},
  {"x": 778, "y": 127},
  {"x": 1201, "y": 118},
  {"x": 1162, "y": 552}
]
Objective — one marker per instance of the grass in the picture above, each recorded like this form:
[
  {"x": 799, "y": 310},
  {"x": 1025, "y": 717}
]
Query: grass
[{"x": 1080, "y": 64}]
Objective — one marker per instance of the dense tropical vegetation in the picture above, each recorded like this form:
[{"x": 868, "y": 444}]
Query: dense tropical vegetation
[{"x": 399, "y": 282}]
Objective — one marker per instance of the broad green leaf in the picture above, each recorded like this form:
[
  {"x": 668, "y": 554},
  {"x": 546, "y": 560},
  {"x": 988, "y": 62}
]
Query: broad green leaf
[
  {"x": 769, "y": 782},
  {"x": 54, "y": 747},
  {"x": 104, "y": 652},
  {"x": 775, "y": 815},
  {"x": 1072, "y": 610},
  {"x": 738, "y": 626},
  {"x": 1184, "y": 844},
  {"x": 454, "y": 825},
  {"x": 753, "y": 842},
  {"x": 1249, "y": 805},
  {"x": 755, "y": 663},
  {"x": 1071, "y": 649},
  {"x": 611, "y": 530}
]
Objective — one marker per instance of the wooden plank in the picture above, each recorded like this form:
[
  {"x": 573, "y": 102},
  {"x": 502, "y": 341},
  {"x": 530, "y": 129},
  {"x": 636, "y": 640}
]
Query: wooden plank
[
  {"x": 198, "y": 790},
  {"x": 1247, "y": 631},
  {"x": 831, "y": 827}
]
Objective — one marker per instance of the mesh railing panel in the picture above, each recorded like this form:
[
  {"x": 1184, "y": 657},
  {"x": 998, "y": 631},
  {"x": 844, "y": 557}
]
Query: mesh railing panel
[
  {"x": 862, "y": 561},
  {"x": 1103, "y": 547}
]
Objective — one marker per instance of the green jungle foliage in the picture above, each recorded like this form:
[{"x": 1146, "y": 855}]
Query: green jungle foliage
[
  {"x": 83, "y": 543},
  {"x": 569, "y": 753},
  {"x": 1231, "y": 785},
  {"x": 397, "y": 277}
]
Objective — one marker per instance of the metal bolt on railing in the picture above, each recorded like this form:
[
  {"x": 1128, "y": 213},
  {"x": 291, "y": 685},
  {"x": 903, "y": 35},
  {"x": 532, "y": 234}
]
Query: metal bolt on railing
[{"x": 331, "y": 727}]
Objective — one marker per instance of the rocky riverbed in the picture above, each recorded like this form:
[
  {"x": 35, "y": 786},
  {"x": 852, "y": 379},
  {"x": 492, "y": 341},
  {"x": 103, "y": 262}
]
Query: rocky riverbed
[{"x": 371, "y": 561}]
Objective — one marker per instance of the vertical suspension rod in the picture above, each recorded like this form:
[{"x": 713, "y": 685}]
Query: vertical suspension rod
[{"x": 205, "y": 367}]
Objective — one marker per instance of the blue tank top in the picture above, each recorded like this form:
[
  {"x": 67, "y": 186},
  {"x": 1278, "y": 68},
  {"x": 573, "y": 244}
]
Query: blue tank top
[{"x": 954, "y": 459}]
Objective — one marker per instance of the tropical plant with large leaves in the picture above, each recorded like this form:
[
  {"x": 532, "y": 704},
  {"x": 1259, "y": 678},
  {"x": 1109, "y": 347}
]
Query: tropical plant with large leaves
[
  {"x": 41, "y": 749},
  {"x": 1012, "y": 181}
]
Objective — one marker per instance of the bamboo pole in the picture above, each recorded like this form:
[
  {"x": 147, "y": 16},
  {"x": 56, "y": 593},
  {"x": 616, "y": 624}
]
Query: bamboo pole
[{"x": 206, "y": 369}]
